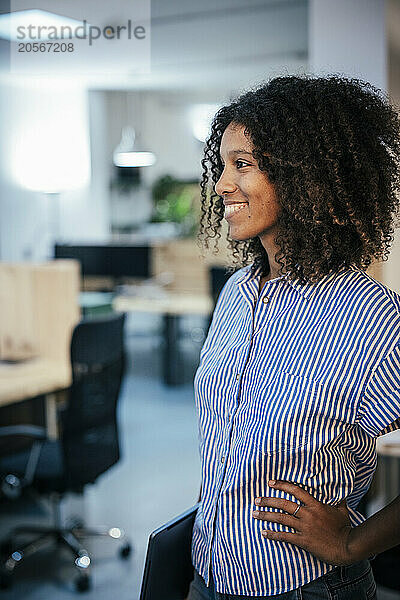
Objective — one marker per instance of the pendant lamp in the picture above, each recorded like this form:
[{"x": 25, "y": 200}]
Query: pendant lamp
[{"x": 126, "y": 155}]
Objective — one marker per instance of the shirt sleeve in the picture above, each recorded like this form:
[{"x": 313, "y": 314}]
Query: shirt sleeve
[{"x": 379, "y": 410}]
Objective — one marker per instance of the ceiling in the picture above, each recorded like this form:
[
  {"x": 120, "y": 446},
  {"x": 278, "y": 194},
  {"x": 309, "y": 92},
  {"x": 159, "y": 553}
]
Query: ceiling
[
  {"x": 224, "y": 45},
  {"x": 229, "y": 43}
]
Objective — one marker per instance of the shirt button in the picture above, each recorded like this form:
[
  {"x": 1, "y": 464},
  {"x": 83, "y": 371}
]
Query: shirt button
[
  {"x": 249, "y": 337},
  {"x": 222, "y": 458},
  {"x": 229, "y": 418},
  {"x": 237, "y": 376},
  {"x": 265, "y": 299}
]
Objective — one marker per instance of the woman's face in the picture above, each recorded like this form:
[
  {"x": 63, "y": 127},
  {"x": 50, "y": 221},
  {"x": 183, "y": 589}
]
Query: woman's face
[{"x": 251, "y": 205}]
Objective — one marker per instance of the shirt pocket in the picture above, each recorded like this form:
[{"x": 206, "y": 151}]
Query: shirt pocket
[{"x": 288, "y": 414}]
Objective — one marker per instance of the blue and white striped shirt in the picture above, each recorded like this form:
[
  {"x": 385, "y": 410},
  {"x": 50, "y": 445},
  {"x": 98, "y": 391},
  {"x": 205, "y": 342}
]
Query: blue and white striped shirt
[{"x": 294, "y": 383}]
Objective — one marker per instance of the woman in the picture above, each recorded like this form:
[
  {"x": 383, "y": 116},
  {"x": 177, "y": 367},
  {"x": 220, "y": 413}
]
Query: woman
[{"x": 300, "y": 371}]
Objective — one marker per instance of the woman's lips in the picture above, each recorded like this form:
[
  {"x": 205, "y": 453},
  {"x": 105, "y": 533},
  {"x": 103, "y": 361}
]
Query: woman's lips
[{"x": 232, "y": 209}]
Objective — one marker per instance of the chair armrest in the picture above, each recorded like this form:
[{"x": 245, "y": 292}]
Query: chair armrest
[
  {"x": 18, "y": 438},
  {"x": 15, "y": 439},
  {"x": 30, "y": 431}
]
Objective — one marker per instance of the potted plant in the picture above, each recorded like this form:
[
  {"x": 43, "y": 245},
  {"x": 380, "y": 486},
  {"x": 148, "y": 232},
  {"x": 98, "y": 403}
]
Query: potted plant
[{"x": 176, "y": 201}]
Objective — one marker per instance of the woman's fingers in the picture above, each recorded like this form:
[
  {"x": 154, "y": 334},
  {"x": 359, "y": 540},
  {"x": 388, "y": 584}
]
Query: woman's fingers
[
  {"x": 294, "y": 490},
  {"x": 273, "y": 517},
  {"x": 280, "y": 503},
  {"x": 304, "y": 498}
]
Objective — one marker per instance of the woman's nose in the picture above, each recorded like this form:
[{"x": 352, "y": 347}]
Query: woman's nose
[{"x": 224, "y": 185}]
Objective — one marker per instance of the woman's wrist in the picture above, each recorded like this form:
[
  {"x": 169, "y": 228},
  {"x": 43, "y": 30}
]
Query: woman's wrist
[{"x": 357, "y": 546}]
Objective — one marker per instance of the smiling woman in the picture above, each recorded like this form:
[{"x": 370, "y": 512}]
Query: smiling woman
[{"x": 300, "y": 371}]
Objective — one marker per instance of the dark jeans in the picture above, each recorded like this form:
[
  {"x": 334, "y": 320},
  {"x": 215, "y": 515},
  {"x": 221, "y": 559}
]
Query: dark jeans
[{"x": 354, "y": 582}]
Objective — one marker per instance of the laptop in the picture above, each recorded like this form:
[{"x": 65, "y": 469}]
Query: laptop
[{"x": 168, "y": 568}]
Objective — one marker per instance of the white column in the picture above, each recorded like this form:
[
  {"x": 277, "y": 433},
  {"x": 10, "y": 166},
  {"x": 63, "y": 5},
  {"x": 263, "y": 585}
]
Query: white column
[{"x": 348, "y": 37}]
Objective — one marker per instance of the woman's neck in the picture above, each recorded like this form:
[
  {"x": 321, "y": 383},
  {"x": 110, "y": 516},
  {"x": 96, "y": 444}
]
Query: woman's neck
[{"x": 263, "y": 280}]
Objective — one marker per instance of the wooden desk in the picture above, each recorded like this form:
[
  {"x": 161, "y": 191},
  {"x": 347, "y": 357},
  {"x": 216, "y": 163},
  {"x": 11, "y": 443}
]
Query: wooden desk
[
  {"x": 38, "y": 312},
  {"x": 173, "y": 303},
  {"x": 32, "y": 378},
  {"x": 172, "y": 307}
]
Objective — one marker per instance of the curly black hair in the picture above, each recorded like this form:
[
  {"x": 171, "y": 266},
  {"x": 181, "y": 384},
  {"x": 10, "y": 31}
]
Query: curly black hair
[{"x": 331, "y": 147}]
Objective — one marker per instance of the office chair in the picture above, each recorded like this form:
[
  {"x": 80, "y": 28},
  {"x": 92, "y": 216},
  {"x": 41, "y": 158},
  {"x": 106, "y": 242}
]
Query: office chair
[
  {"x": 88, "y": 445},
  {"x": 217, "y": 276}
]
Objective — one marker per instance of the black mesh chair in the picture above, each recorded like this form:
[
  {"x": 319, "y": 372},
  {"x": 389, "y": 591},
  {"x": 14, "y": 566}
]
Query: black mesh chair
[
  {"x": 88, "y": 445},
  {"x": 218, "y": 276}
]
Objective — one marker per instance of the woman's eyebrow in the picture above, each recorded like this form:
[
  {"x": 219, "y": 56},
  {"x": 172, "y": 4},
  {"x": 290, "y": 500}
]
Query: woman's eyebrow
[{"x": 240, "y": 151}]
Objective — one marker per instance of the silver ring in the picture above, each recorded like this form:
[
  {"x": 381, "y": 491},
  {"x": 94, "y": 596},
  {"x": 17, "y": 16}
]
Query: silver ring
[{"x": 297, "y": 510}]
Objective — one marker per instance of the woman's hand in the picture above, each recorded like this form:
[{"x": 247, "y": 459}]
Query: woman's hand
[{"x": 321, "y": 529}]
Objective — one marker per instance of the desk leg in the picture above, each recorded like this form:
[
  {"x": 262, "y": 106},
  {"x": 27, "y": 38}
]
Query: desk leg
[
  {"x": 51, "y": 416},
  {"x": 172, "y": 366}
]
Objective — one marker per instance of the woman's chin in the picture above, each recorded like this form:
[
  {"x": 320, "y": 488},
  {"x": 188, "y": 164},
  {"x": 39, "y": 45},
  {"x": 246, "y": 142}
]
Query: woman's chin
[{"x": 239, "y": 236}]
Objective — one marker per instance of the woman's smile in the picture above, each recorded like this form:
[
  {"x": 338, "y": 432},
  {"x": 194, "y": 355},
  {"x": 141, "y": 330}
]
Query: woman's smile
[{"x": 233, "y": 209}]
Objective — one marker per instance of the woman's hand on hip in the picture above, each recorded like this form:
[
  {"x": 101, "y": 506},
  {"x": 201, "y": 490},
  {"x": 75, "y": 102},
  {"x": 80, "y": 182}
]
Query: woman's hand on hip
[{"x": 322, "y": 529}]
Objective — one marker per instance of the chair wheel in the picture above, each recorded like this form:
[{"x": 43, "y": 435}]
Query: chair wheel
[
  {"x": 83, "y": 583},
  {"x": 125, "y": 551},
  {"x": 6, "y": 580}
]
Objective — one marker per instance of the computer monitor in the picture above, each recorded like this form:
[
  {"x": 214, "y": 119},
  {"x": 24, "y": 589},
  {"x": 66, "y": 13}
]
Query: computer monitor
[{"x": 109, "y": 260}]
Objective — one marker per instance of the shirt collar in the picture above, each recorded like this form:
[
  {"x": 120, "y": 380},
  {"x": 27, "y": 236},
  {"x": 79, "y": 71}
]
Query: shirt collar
[{"x": 305, "y": 289}]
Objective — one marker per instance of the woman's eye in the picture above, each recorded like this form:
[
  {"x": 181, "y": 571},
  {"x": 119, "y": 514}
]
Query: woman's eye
[{"x": 240, "y": 164}]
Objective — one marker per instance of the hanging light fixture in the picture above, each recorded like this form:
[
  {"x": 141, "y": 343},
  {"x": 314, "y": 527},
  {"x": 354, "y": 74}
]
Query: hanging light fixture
[{"x": 125, "y": 154}]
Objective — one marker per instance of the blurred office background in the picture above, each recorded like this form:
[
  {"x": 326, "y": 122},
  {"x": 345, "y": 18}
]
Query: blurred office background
[{"x": 129, "y": 236}]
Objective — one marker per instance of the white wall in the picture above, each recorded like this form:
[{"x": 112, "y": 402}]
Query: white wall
[
  {"x": 348, "y": 37},
  {"x": 167, "y": 129}
]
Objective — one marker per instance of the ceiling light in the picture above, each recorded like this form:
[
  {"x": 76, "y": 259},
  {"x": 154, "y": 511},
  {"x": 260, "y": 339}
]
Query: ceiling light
[
  {"x": 11, "y": 24},
  {"x": 126, "y": 155}
]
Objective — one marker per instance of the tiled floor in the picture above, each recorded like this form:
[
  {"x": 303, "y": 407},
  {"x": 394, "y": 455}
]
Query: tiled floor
[{"x": 157, "y": 478}]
